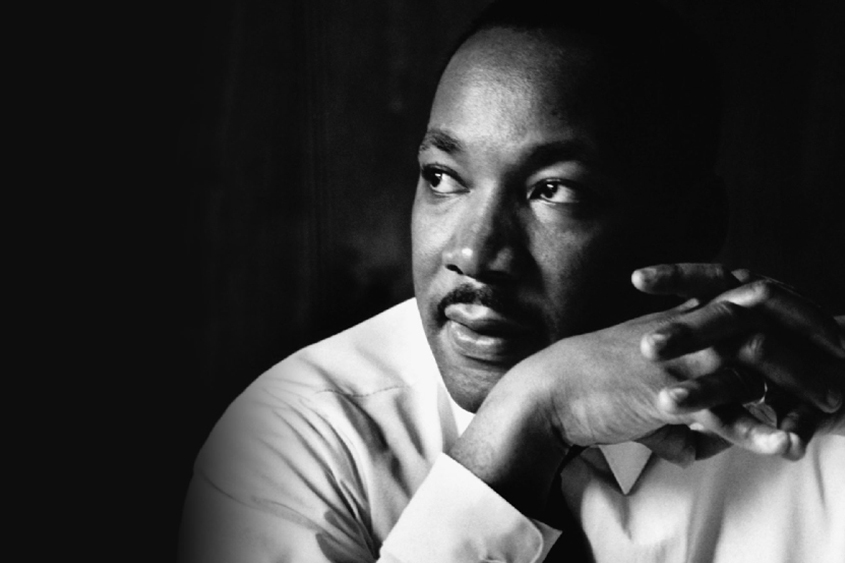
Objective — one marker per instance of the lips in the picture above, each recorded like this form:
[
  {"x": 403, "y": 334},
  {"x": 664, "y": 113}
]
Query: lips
[{"x": 481, "y": 333}]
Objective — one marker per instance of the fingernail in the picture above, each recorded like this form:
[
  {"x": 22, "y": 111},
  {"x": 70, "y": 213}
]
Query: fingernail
[
  {"x": 647, "y": 274},
  {"x": 679, "y": 395},
  {"x": 658, "y": 341}
]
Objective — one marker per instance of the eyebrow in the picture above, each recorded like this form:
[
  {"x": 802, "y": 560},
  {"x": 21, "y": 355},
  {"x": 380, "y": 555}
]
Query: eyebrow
[
  {"x": 568, "y": 150},
  {"x": 541, "y": 154},
  {"x": 440, "y": 139}
]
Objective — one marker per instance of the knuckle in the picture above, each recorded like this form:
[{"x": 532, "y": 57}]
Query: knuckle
[
  {"x": 757, "y": 347},
  {"x": 678, "y": 329},
  {"x": 708, "y": 360},
  {"x": 727, "y": 310},
  {"x": 721, "y": 272},
  {"x": 745, "y": 432},
  {"x": 672, "y": 272},
  {"x": 763, "y": 290}
]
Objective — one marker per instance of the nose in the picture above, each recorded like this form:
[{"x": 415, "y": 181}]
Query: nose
[{"x": 487, "y": 243}]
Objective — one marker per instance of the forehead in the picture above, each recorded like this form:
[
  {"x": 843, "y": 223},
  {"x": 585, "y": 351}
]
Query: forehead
[
  {"x": 512, "y": 84},
  {"x": 534, "y": 52}
]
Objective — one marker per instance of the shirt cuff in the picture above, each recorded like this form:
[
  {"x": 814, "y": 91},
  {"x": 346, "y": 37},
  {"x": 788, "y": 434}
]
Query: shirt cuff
[{"x": 454, "y": 516}]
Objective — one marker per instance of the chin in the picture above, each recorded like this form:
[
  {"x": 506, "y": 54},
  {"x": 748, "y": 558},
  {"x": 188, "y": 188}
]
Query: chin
[{"x": 469, "y": 382}]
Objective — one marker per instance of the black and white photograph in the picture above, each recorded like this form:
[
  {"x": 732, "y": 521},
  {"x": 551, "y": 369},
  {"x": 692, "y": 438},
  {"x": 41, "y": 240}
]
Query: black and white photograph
[{"x": 494, "y": 280}]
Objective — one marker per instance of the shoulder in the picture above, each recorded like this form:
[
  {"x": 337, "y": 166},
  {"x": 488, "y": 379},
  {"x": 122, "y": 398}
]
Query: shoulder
[
  {"x": 346, "y": 391},
  {"x": 386, "y": 352},
  {"x": 358, "y": 414}
]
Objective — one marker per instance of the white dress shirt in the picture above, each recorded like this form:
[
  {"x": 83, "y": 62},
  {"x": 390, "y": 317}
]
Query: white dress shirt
[{"x": 336, "y": 454}]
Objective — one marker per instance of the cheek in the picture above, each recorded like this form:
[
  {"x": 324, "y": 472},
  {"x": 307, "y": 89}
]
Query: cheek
[
  {"x": 565, "y": 262},
  {"x": 428, "y": 238},
  {"x": 581, "y": 271},
  {"x": 573, "y": 251}
]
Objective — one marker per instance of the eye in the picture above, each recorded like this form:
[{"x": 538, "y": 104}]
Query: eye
[
  {"x": 440, "y": 181},
  {"x": 557, "y": 191}
]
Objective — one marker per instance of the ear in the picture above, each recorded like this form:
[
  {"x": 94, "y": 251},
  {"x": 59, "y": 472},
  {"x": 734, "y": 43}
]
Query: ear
[{"x": 706, "y": 213}]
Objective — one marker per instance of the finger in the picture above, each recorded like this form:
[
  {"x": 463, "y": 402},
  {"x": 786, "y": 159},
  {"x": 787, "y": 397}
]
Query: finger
[
  {"x": 746, "y": 276},
  {"x": 790, "y": 311},
  {"x": 696, "y": 330},
  {"x": 806, "y": 374},
  {"x": 735, "y": 425},
  {"x": 721, "y": 388},
  {"x": 701, "y": 281},
  {"x": 749, "y": 307},
  {"x": 802, "y": 422}
]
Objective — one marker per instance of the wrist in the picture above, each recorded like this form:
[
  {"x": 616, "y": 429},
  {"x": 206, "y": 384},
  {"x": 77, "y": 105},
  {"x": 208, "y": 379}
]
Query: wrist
[{"x": 513, "y": 445}]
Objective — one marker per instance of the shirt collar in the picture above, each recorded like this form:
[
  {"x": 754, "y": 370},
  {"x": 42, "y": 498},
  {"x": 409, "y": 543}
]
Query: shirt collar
[
  {"x": 626, "y": 460},
  {"x": 462, "y": 417}
]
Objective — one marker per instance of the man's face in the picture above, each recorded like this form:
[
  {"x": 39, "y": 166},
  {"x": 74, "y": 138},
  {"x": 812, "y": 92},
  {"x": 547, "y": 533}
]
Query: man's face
[{"x": 522, "y": 233}]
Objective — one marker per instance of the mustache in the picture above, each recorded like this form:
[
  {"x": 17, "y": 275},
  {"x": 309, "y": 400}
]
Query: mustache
[{"x": 495, "y": 299}]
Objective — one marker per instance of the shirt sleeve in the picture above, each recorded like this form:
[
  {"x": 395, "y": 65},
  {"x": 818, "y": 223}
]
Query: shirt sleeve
[
  {"x": 275, "y": 483},
  {"x": 278, "y": 482},
  {"x": 456, "y": 517}
]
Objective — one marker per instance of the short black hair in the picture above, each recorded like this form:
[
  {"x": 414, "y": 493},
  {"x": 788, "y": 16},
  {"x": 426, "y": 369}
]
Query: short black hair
[{"x": 670, "y": 78}]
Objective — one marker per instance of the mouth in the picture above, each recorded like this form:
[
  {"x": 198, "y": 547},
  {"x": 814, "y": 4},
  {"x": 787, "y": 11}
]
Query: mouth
[{"x": 484, "y": 334}]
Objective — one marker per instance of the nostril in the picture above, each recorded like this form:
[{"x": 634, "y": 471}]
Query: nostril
[{"x": 460, "y": 259}]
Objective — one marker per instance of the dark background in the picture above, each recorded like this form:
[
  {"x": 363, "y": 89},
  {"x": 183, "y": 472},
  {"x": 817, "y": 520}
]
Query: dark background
[{"x": 281, "y": 157}]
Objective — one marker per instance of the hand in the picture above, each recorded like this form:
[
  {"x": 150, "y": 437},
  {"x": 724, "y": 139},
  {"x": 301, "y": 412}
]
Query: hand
[
  {"x": 604, "y": 392},
  {"x": 760, "y": 328},
  {"x": 594, "y": 388},
  {"x": 598, "y": 388}
]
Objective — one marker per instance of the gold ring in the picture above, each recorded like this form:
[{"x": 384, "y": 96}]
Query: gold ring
[
  {"x": 762, "y": 399},
  {"x": 761, "y": 410}
]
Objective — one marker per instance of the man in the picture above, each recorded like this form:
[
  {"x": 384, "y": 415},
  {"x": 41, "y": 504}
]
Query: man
[{"x": 566, "y": 149}]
